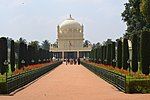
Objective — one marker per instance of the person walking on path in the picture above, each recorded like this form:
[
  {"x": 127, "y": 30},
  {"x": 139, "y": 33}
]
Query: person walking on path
[
  {"x": 75, "y": 61},
  {"x": 78, "y": 61}
]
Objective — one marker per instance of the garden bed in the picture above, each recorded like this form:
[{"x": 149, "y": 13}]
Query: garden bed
[
  {"x": 125, "y": 81},
  {"x": 18, "y": 80}
]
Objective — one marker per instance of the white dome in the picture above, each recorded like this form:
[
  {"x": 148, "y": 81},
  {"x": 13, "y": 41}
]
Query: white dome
[{"x": 70, "y": 24}]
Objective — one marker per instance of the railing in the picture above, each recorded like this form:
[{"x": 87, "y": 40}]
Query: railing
[
  {"x": 15, "y": 82},
  {"x": 115, "y": 79}
]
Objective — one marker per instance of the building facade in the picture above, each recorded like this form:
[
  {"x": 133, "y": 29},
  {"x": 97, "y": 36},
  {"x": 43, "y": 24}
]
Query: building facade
[{"x": 70, "y": 41}]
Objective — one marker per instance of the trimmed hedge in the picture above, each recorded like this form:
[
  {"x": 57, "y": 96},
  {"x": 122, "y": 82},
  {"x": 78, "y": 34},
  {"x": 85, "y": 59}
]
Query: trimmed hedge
[
  {"x": 131, "y": 84},
  {"x": 138, "y": 86}
]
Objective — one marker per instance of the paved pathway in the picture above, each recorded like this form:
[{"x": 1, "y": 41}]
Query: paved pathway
[{"x": 72, "y": 82}]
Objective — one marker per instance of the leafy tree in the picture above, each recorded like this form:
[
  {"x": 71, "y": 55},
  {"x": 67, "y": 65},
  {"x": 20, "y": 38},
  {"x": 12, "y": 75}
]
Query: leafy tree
[
  {"x": 133, "y": 17},
  {"x": 86, "y": 43},
  {"x": 46, "y": 45},
  {"x": 145, "y": 9},
  {"x": 35, "y": 44}
]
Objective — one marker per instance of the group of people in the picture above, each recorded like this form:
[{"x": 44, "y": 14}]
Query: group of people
[{"x": 73, "y": 61}]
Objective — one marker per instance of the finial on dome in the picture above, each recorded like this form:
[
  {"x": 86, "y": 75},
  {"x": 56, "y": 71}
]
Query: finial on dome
[{"x": 71, "y": 17}]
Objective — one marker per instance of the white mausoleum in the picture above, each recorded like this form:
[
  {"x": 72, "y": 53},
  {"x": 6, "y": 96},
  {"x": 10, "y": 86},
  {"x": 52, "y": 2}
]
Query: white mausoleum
[{"x": 70, "y": 40}]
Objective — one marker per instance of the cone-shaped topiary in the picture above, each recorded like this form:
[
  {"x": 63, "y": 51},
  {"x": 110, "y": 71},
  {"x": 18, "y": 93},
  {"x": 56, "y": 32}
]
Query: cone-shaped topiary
[
  {"x": 119, "y": 54},
  {"x": 3, "y": 54},
  {"x": 108, "y": 54},
  {"x": 113, "y": 54},
  {"x": 134, "y": 53},
  {"x": 145, "y": 52},
  {"x": 12, "y": 56},
  {"x": 125, "y": 54}
]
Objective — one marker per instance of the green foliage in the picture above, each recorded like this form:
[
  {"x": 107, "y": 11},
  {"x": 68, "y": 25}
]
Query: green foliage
[
  {"x": 113, "y": 54},
  {"x": 133, "y": 17},
  {"x": 3, "y": 54},
  {"x": 145, "y": 52},
  {"x": 108, "y": 54},
  {"x": 46, "y": 45},
  {"x": 119, "y": 54},
  {"x": 134, "y": 53},
  {"x": 138, "y": 86},
  {"x": 125, "y": 54},
  {"x": 12, "y": 56},
  {"x": 104, "y": 54},
  {"x": 145, "y": 9},
  {"x": 98, "y": 54},
  {"x": 22, "y": 55}
]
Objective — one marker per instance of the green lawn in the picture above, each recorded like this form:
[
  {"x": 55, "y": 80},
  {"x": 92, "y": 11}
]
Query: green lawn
[{"x": 3, "y": 77}]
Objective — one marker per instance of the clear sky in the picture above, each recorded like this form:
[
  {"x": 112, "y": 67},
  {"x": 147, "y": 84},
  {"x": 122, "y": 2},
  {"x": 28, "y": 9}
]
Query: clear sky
[{"x": 37, "y": 19}]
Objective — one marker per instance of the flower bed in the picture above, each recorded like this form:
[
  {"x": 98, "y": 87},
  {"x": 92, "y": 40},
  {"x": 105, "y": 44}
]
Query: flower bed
[
  {"x": 16, "y": 81},
  {"x": 133, "y": 82}
]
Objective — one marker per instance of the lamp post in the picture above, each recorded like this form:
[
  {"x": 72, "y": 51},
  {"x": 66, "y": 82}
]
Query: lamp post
[
  {"x": 39, "y": 60},
  {"x": 23, "y": 62},
  {"x": 32, "y": 61},
  {"x": 113, "y": 62},
  {"x": 128, "y": 62}
]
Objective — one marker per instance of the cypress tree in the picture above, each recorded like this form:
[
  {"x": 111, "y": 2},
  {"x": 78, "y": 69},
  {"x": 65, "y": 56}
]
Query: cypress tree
[
  {"x": 25, "y": 55},
  {"x": 119, "y": 54},
  {"x": 102, "y": 54},
  {"x": 125, "y": 54},
  {"x": 105, "y": 54},
  {"x": 98, "y": 54},
  {"x": 12, "y": 56},
  {"x": 30, "y": 54},
  {"x": 21, "y": 55},
  {"x": 145, "y": 52},
  {"x": 134, "y": 53},
  {"x": 108, "y": 54},
  {"x": 113, "y": 54},
  {"x": 3, "y": 53}
]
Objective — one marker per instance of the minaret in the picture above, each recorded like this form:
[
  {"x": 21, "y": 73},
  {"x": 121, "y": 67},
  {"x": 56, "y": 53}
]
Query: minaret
[{"x": 58, "y": 31}]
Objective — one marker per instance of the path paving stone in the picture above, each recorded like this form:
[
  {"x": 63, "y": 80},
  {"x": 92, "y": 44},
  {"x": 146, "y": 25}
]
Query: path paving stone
[{"x": 72, "y": 82}]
